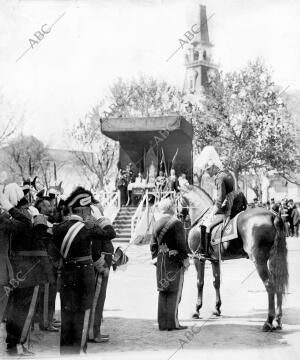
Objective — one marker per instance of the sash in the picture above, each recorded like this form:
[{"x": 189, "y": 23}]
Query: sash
[
  {"x": 70, "y": 236},
  {"x": 166, "y": 227}
]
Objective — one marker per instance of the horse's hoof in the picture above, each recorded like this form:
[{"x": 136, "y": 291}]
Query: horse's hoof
[
  {"x": 277, "y": 325},
  {"x": 217, "y": 313},
  {"x": 195, "y": 316},
  {"x": 267, "y": 327}
]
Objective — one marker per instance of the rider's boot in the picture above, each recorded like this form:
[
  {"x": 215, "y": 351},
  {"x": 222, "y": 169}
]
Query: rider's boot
[{"x": 205, "y": 238}]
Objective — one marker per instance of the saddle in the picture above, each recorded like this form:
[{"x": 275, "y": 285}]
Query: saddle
[{"x": 226, "y": 233}]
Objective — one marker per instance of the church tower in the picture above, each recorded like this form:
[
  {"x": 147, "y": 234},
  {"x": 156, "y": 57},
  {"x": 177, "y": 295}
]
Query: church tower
[{"x": 198, "y": 57}]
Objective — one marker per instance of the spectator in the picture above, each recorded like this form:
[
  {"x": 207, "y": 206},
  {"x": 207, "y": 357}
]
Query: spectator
[
  {"x": 293, "y": 218},
  {"x": 160, "y": 181},
  {"x": 283, "y": 212},
  {"x": 182, "y": 181},
  {"x": 173, "y": 181}
]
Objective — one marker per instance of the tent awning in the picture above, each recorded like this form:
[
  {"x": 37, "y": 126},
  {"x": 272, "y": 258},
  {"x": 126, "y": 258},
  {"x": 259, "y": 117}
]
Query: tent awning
[{"x": 116, "y": 127}]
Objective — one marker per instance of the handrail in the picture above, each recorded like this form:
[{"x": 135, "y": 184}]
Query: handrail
[
  {"x": 138, "y": 213},
  {"x": 112, "y": 205}
]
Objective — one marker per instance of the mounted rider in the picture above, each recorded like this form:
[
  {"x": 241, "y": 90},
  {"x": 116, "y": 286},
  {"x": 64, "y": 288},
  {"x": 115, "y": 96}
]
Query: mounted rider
[{"x": 228, "y": 203}]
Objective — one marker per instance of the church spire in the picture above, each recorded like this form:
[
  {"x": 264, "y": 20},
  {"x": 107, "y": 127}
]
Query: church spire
[{"x": 198, "y": 57}]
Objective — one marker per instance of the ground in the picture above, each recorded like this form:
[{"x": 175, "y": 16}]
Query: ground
[{"x": 131, "y": 307}]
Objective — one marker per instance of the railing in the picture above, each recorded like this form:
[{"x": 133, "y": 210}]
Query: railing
[
  {"x": 139, "y": 213},
  {"x": 111, "y": 203},
  {"x": 143, "y": 208}
]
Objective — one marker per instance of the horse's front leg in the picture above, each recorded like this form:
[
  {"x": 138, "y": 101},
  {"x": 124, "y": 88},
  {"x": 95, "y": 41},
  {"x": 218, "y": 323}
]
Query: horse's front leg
[
  {"x": 278, "y": 316},
  {"x": 217, "y": 281},
  {"x": 264, "y": 274},
  {"x": 200, "y": 269}
]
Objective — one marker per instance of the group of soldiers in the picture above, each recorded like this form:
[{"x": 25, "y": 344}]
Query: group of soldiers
[{"x": 50, "y": 245}]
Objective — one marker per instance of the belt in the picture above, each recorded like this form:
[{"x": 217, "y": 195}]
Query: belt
[
  {"x": 164, "y": 249},
  {"x": 77, "y": 259},
  {"x": 31, "y": 253}
]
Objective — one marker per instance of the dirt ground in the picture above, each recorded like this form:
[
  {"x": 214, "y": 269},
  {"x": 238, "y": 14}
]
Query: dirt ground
[{"x": 131, "y": 307}]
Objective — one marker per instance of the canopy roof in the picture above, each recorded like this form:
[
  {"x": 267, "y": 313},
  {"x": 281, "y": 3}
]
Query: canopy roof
[{"x": 116, "y": 127}]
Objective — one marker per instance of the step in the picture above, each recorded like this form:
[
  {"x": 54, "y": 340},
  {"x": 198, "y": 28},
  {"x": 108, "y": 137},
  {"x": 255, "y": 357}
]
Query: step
[{"x": 121, "y": 239}]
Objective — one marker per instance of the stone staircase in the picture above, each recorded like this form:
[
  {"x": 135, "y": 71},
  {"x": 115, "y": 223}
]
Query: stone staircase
[{"x": 122, "y": 224}]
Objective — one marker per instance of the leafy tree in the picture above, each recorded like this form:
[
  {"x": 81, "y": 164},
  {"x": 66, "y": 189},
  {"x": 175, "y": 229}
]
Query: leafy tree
[
  {"x": 140, "y": 97},
  {"x": 245, "y": 118}
]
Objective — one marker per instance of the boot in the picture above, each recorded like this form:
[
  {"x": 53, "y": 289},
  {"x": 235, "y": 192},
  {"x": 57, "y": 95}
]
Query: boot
[{"x": 205, "y": 241}]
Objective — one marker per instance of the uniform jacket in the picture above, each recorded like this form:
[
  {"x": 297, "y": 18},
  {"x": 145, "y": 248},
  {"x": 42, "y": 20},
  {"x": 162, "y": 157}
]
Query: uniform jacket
[
  {"x": 105, "y": 246},
  {"x": 77, "y": 277},
  {"x": 168, "y": 266},
  {"x": 27, "y": 252},
  {"x": 225, "y": 184}
]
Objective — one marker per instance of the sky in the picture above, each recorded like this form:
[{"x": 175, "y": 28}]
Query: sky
[{"x": 93, "y": 43}]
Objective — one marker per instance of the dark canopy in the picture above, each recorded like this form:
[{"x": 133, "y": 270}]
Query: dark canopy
[{"x": 142, "y": 139}]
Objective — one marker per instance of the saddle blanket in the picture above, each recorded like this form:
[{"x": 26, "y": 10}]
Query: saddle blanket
[{"x": 227, "y": 234}]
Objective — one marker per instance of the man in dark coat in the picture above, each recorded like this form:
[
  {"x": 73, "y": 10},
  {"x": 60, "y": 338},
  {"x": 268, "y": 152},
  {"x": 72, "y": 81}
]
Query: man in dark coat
[
  {"x": 30, "y": 265},
  {"x": 170, "y": 249},
  {"x": 74, "y": 239},
  {"x": 102, "y": 253}
]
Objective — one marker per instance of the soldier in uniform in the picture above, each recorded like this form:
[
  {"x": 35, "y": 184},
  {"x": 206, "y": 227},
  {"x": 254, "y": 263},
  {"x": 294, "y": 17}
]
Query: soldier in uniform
[
  {"x": 170, "y": 249},
  {"x": 30, "y": 266},
  {"x": 228, "y": 201},
  {"x": 102, "y": 256},
  {"x": 74, "y": 239}
]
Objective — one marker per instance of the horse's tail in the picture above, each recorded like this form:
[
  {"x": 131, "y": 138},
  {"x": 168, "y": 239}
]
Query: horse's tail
[{"x": 278, "y": 265}]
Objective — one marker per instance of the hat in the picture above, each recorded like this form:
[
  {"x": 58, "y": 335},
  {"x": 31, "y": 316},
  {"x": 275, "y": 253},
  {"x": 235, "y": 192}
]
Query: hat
[
  {"x": 80, "y": 197},
  {"x": 26, "y": 186},
  {"x": 207, "y": 158},
  {"x": 120, "y": 258}
]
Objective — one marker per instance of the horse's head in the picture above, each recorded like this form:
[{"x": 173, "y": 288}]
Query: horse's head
[{"x": 194, "y": 200}]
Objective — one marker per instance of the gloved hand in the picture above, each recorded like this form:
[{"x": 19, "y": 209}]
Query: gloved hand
[
  {"x": 186, "y": 263},
  {"x": 40, "y": 220}
]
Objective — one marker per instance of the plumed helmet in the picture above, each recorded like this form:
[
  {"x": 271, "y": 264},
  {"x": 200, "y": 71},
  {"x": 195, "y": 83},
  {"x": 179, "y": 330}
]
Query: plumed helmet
[
  {"x": 14, "y": 193},
  {"x": 207, "y": 158},
  {"x": 80, "y": 197}
]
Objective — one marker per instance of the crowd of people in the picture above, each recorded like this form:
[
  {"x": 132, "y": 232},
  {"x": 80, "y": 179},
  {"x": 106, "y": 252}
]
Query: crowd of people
[
  {"x": 49, "y": 245},
  {"x": 287, "y": 209},
  {"x": 126, "y": 181}
]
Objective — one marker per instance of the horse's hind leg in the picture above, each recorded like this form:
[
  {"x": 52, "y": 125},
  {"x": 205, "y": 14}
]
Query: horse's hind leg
[
  {"x": 278, "y": 316},
  {"x": 264, "y": 274},
  {"x": 200, "y": 268},
  {"x": 217, "y": 280}
]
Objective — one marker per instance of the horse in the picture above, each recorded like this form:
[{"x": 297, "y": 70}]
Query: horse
[{"x": 261, "y": 238}]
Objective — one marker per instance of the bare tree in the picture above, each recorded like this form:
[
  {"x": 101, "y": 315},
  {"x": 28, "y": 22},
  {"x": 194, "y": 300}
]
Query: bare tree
[
  {"x": 24, "y": 156},
  {"x": 9, "y": 120},
  {"x": 95, "y": 152}
]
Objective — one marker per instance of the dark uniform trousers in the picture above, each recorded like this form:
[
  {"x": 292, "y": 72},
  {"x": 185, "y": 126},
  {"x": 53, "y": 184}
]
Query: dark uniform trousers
[
  {"x": 74, "y": 327},
  {"x": 98, "y": 305},
  {"x": 101, "y": 250},
  {"x": 20, "y": 312}
]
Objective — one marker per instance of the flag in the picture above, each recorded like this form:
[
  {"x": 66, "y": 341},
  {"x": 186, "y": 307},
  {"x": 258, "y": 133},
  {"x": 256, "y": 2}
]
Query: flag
[
  {"x": 55, "y": 173},
  {"x": 29, "y": 166},
  {"x": 163, "y": 162},
  {"x": 174, "y": 159}
]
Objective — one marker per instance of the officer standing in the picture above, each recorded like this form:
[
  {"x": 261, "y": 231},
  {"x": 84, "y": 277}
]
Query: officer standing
[
  {"x": 30, "y": 265},
  {"x": 102, "y": 256},
  {"x": 73, "y": 237},
  {"x": 170, "y": 249}
]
